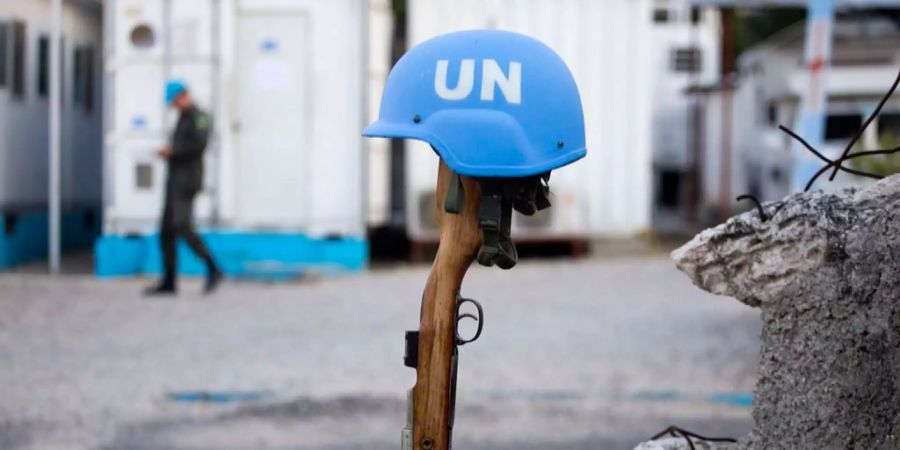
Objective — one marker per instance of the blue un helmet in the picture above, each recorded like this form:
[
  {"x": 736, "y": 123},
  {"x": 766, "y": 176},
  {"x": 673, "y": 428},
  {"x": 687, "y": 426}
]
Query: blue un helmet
[
  {"x": 491, "y": 103},
  {"x": 497, "y": 106}
]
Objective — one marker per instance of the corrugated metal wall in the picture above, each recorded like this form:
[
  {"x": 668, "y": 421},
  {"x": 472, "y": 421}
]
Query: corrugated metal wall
[
  {"x": 24, "y": 118},
  {"x": 606, "y": 45}
]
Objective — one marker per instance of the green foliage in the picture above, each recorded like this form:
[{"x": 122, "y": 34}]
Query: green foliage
[
  {"x": 883, "y": 165},
  {"x": 399, "y": 7},
  {"x": 757, "y": 24}
]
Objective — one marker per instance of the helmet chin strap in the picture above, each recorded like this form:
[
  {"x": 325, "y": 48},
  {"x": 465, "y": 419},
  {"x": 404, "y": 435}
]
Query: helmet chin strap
[{"x": 499, "y": 196}]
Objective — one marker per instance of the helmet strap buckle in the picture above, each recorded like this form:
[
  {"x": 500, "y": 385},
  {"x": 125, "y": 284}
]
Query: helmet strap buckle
[
  {"x": 456, "y": 195},
  {"x": 499, "y": 196},
  {"x": 495, "y": 220}
]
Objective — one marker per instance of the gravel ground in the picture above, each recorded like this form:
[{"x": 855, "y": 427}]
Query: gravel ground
[{"x": 594, "y": 354}]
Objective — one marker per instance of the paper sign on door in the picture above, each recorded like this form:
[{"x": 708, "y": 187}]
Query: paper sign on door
[{"x": 271, "y": 75}]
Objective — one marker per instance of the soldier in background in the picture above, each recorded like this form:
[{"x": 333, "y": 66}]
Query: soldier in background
[{"x": 185, "y": 180}]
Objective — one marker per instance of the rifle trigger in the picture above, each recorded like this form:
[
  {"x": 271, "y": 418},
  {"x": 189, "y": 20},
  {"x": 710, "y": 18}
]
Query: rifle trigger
[{"x": 477, "y": 317}]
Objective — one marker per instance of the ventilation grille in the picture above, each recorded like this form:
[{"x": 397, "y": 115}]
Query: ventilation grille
[{"x": 143, "y": 174}]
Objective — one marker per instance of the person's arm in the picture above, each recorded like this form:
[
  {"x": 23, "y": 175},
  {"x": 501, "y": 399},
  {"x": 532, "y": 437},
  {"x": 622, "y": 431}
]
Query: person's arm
[{"x": 194, "y": 139}]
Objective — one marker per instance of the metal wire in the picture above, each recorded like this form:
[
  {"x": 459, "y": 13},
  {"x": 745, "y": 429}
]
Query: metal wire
[
  {"x": 845, "y": 156},
  {"x": 762, "y": 213},
  {"x": 872, "y": 116},
  {"x": 838, "y": 164},
  {"x": 689, "y": 436}
]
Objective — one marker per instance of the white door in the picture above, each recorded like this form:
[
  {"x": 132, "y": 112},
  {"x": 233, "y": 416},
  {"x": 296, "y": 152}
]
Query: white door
[{"x": 272, "y": 120}]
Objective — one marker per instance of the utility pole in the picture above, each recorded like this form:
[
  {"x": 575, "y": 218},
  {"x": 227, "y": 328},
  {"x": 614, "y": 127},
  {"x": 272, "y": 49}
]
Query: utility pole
[
  {"x": 728, "y": 66},
  {"x": 814, "y": 103},
  {"x": 53, "y": 189}
]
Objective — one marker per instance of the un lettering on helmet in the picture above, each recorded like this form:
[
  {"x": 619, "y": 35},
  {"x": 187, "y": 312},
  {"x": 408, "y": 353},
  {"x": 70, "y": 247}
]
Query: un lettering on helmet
[
  {"x": 492, "y": 76},
  {"x": 490, "y": 103}
]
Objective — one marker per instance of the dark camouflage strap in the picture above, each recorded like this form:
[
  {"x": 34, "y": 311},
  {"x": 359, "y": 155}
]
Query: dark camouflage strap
[
  {"x": 456, "y": 196},
  {"x": 499, "y": 196}
]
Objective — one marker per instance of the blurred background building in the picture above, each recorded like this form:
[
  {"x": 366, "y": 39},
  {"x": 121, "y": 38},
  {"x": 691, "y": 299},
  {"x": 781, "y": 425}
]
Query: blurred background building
[
  {"x": 768, "y": 84},
  {"x": 286, "y": 84},
  {"x": 24, "y": 129},
  {"x": 632, "y": 60},
  {"x": 290, "y": 183}
]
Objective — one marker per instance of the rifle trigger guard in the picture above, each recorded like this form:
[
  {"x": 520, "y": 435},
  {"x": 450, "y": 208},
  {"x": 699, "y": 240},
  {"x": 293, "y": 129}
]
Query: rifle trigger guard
[{"x": 479, "y": 317}]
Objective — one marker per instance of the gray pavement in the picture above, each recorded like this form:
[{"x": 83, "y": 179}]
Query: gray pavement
[{"x": 595, "y": 354}]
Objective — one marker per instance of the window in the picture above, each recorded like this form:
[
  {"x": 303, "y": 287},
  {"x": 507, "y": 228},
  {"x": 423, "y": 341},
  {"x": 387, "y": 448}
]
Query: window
[
  {"x": 77, "y": 77},
  {"x": 772, "y": 113},
  {"x": 18, "y": 62},
  {"x": 43, "y": 72},
  {"x": 776, "y": 175},
  {"x": 889, "y": 124},
  {"x": 696, "y": 15},
  {"x": 660, "y": 15},
  {"x": 869, "y": 58},
  {"x": 668, "y": 193},
  {"x": 842, "y": 126},
  {"x": 142, "y": 36},
  {"x": 83, "y": 78},
  {"x": 88, "y": 60},
  {"x": 4, "y": 52},
  {"x": 686, "y": 60}
]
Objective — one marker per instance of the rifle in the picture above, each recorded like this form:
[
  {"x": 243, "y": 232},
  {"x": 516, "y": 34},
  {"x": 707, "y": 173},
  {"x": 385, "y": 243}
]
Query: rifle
[
  {"x": 508, "y": 147},
  {"x": 433, "y": 349}
]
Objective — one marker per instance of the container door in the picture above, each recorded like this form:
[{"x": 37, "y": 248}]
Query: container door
[{"x": 272, "y": 118}]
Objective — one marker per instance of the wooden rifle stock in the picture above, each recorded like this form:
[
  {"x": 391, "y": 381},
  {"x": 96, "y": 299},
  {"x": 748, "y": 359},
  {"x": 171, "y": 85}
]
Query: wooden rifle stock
[{"x": 460, "y": 239}]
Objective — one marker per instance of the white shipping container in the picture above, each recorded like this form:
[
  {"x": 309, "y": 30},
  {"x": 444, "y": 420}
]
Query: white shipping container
[
  {"x": 615, "y": 53},
  {"x": 25, "y": 85},
  {"x": 24, "y": 112},
  {"x": 285, "y": 81}
]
